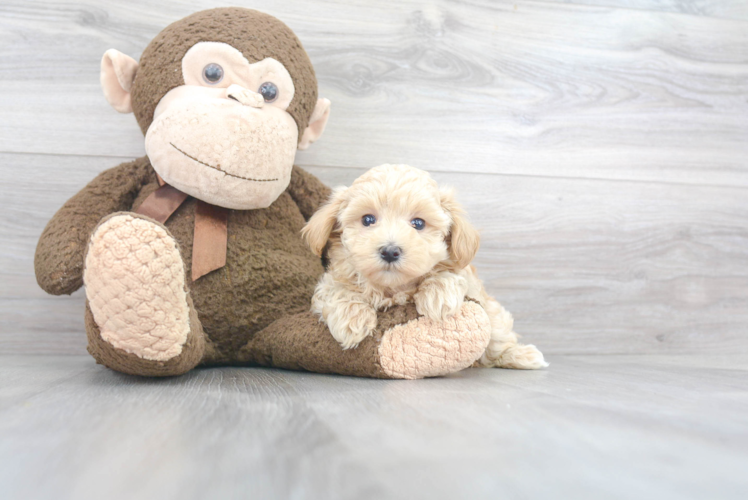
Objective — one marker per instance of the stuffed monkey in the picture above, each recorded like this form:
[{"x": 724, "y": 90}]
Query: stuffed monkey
[{"x": 192, "y": 255}]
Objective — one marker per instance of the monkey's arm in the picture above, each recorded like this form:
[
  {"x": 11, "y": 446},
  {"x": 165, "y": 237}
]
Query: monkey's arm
[
  {"x": 403, "y": 345},
  {"x": 307, "y": 191},
  {"x": 59, "y": 254}
]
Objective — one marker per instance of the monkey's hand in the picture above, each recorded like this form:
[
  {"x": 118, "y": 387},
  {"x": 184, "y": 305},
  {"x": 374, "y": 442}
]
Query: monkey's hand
[
  {"x": 59, "y": 254},
  {"x": 441, "y": 295}
]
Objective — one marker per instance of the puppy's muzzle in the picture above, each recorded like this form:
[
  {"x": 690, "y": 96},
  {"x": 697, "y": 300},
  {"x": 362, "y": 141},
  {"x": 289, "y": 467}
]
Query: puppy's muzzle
[{"x": 390, "y": 253}]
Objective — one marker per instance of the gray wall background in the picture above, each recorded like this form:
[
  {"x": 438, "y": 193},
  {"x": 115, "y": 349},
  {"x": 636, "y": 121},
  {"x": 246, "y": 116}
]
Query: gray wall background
[{"x": 600, "y": 145}]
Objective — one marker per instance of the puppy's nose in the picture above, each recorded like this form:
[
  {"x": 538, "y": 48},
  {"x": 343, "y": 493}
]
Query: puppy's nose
[{"x": 390, "y": 253}]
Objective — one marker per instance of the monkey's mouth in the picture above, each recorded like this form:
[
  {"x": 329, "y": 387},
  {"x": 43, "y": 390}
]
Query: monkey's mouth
[{"x": 219, "y": 167}]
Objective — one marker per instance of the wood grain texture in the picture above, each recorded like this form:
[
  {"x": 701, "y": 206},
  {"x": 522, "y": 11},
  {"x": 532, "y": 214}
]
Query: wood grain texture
[
  {"x": 600, "y": 145},
  {"x": 531, "y": 88},
  {"x": 590, "y": 427},
  {"x": 601, "y": 148},
  {"x": 586, "y": 266},
  {"x": 727, "y": 9}
]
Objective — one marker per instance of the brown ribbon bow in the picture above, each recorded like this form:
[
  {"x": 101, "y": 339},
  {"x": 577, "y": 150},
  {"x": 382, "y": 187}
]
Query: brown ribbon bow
[{"x": 211, "y": 226}]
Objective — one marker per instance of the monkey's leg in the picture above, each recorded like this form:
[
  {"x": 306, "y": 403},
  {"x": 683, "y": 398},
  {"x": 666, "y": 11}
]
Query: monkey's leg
[
  {"x": 139, "y": 316},
  {"x": 403, "y": 346}
]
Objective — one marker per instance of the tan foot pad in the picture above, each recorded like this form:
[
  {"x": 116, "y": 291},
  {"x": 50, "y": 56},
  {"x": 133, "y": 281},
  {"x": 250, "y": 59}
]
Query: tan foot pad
[
  {"x": 425, "y": 348},
  {"x": 134, "y": 279}
]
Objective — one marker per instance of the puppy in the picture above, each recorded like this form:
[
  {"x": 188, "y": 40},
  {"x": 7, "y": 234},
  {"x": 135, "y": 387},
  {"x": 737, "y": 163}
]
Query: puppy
[{"x": 394, "y": 237}]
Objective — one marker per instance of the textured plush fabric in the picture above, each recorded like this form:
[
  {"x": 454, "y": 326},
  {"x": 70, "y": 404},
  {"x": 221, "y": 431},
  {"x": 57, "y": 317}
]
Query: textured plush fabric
[
  {"x": 424, "y": 348},
  {"x": 269, "y": 272},
  {"x": 279, "y": 345},
  {"x": 59, "y": 254},
  {"x": 255, "y": 34},
  {"x": 193, "y": 351},
  {"x": 403, "y": 346},
  {"x": 199, "y": 148},
  {"x": 135, "y": 285},
  {"x": 117, "y": 74},
  {"x": 317, "y": 351}
]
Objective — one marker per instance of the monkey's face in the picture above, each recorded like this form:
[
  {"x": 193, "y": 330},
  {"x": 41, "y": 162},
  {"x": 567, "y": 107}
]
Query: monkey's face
[
  {"x": 224, "y": 136},
  {"x": 225, "y": 97}
]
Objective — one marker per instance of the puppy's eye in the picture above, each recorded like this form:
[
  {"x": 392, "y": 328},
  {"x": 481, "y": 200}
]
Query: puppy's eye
[
  {"x": 212, "y": 73},
  {"x": 418, "y": 223},
  {"x": 368, "y": 220},
  {"x": 269, "y": 91}
]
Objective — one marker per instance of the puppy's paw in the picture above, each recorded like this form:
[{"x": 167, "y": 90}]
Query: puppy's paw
[
  {"x": 353, "y": 324},
  {"x": 520, "y": 357},
  {"x": 437, "y": 306},
  {"x": 441, "y": 296}
]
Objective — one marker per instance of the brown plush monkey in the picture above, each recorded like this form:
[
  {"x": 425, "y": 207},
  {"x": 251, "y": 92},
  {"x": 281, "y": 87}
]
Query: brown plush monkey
[{"x": 192, "y": 255}]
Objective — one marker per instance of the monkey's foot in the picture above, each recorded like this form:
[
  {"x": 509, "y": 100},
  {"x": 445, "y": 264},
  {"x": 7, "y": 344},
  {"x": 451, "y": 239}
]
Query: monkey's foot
[
  {"x": 424, "y": 347},
  {"x": 135, "y": 285}
]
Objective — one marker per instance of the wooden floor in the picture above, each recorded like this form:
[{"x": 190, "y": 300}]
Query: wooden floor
[
  {"x": 601, "y": 146},
  {"x": 591, "y": 427}
]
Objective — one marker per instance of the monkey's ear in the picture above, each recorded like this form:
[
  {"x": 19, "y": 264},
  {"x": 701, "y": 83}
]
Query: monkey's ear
[
  {"x": 319, "y": 228},
  {"x": 117, "y": 74},
  {"x": 317, "y": 123}
]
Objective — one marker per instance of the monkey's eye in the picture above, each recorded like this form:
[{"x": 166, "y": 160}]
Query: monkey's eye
[
  {"x": 212, "y": 73},
  {"x": 368, "y": 220},
  {"x": 269, "y": 91},
  {"x": 418, "y": 223}
]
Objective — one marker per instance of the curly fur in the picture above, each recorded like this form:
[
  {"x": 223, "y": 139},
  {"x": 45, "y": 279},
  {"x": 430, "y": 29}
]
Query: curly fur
[{"x": 433, "y": 270}]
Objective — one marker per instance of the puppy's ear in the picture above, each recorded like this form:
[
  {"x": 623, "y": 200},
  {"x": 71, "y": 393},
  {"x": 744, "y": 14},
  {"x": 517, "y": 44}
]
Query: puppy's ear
[
  {"x": 319, "y": 228},
  {"x": 463, "y": 239}
]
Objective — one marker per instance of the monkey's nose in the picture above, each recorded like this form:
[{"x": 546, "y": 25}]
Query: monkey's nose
[
  {"x": 244, "y": 96},
  {"x": 390, "y": 253}
]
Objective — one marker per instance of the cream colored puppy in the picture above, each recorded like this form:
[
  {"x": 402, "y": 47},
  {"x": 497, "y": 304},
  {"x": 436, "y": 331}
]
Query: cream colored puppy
[{"x": 394, "y": 237}]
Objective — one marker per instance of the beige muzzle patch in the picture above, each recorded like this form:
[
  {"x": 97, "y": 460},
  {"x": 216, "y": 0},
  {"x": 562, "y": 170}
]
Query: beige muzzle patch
[{"x": 233, "y": 153}]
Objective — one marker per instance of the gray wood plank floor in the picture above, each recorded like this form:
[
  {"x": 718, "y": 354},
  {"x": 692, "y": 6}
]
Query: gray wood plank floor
[
  {"x": 727, "y": 9},
  {"x": 600, "y": 145},
  {"x": 613, "y": 427},
  {"x": 529, "y": 88}
]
